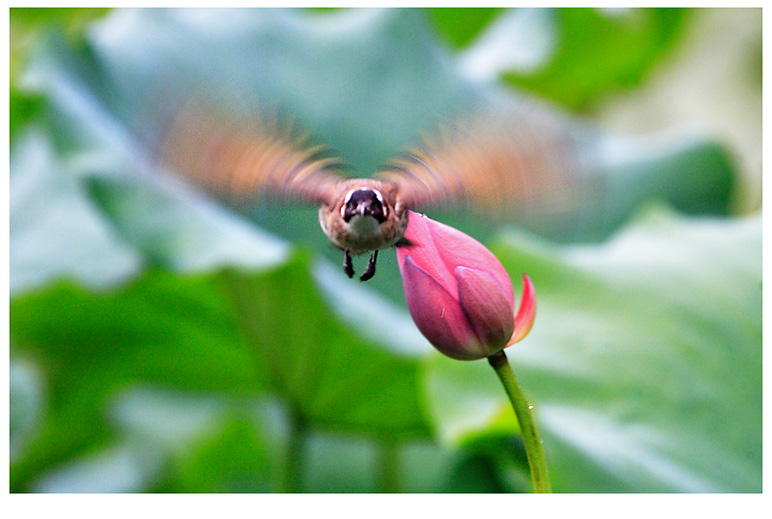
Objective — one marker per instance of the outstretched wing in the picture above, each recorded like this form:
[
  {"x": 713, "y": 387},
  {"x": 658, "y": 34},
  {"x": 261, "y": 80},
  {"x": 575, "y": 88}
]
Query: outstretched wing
[
  {"x": 239, "y": 159},
  {"x": 499, "y": 163}
]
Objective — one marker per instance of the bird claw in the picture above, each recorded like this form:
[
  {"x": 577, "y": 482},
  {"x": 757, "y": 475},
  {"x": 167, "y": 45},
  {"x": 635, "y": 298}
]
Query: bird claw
[
  {"x": 348, "y": 267},
  {"x": 370, "y": 270}
]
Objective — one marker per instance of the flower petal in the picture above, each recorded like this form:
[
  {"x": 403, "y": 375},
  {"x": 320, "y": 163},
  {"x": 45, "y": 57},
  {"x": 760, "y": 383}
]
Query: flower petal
[
  {"x": 526, "y": 314},
  {"x": 438, "y": 314},
  {"x": 424, "y": 252},
  {"x": 439, "y": 249},
  {"x": 486, "y": 306}
]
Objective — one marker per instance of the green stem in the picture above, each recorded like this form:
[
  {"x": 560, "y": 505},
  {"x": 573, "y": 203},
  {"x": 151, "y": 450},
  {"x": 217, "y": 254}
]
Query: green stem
[{"x": 533, "y": 444}]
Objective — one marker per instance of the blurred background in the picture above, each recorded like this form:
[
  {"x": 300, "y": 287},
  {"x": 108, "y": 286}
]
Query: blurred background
[{"x": 164, "y": 341}]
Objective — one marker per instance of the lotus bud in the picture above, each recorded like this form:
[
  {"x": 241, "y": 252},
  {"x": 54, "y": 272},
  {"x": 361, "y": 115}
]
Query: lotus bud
[{"x": 458, "y": 293}]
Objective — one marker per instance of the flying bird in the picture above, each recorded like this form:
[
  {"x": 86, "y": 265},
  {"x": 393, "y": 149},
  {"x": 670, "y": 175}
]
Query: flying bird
[{"x": 499, "y": 163}]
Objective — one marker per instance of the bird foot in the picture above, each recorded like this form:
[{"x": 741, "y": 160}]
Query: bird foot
[
  {"x": 348, "y": 266},
  {"x": 370, "y": 270}
]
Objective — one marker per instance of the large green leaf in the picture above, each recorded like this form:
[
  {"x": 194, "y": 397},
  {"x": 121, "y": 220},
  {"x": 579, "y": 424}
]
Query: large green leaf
[
  {"x": 182, "y": 329},
  {"x": 232, "y": 331},
  {"x": 644, "y": 363},
  {"x": 580, "y": 55},
  {"x": 334, "y": 378},
  {"x": 160, "y": 328},
  {"x": 460, "y": 26},
  {"x": 163, "y": 436},
  {"x": 55, "y": 230}
]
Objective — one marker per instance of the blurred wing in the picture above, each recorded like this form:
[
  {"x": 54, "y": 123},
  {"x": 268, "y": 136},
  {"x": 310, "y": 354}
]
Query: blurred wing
[
  {"x": 239, "y": 159},
  {"x": 507, "y": 163}
]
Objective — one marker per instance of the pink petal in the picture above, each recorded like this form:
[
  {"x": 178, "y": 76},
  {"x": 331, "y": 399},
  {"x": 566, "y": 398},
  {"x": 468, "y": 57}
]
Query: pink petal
[
  {"x": 486, "y": 306},
  {"x": 439, "y": 249},
  {"x": 438, "y": 314},
  {"x": 425, "y": 253},
  {"x": 526, "y": 314}
]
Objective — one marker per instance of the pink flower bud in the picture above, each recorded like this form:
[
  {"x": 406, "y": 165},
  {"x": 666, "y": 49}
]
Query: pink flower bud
[{"x": 458, "y": 293}]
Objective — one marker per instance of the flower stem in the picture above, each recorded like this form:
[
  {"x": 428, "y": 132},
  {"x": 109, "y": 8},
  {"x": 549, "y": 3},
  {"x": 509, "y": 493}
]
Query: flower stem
[{"x": 531, "y": 439}]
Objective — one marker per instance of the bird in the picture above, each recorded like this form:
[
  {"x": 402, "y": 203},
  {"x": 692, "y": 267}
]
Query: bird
[{"x": 498, "y": 162}]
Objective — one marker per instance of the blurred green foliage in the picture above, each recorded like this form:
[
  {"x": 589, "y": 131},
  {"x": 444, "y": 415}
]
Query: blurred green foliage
[
  {"x": 591, "y": 52},
  {"x": 602, "y": 51},
  {"x": 163, "y": 342},
  {"x": 27, "y": 26},
  {"x": 462, "y": 25}
]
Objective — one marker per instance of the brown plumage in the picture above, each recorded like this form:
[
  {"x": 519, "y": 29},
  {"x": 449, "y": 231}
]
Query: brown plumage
[{"x": 498, "y": 163}]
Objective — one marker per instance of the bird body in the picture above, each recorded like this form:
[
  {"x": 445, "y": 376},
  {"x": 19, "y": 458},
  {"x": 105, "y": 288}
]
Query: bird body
[{"x": 364, "y": 217}]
